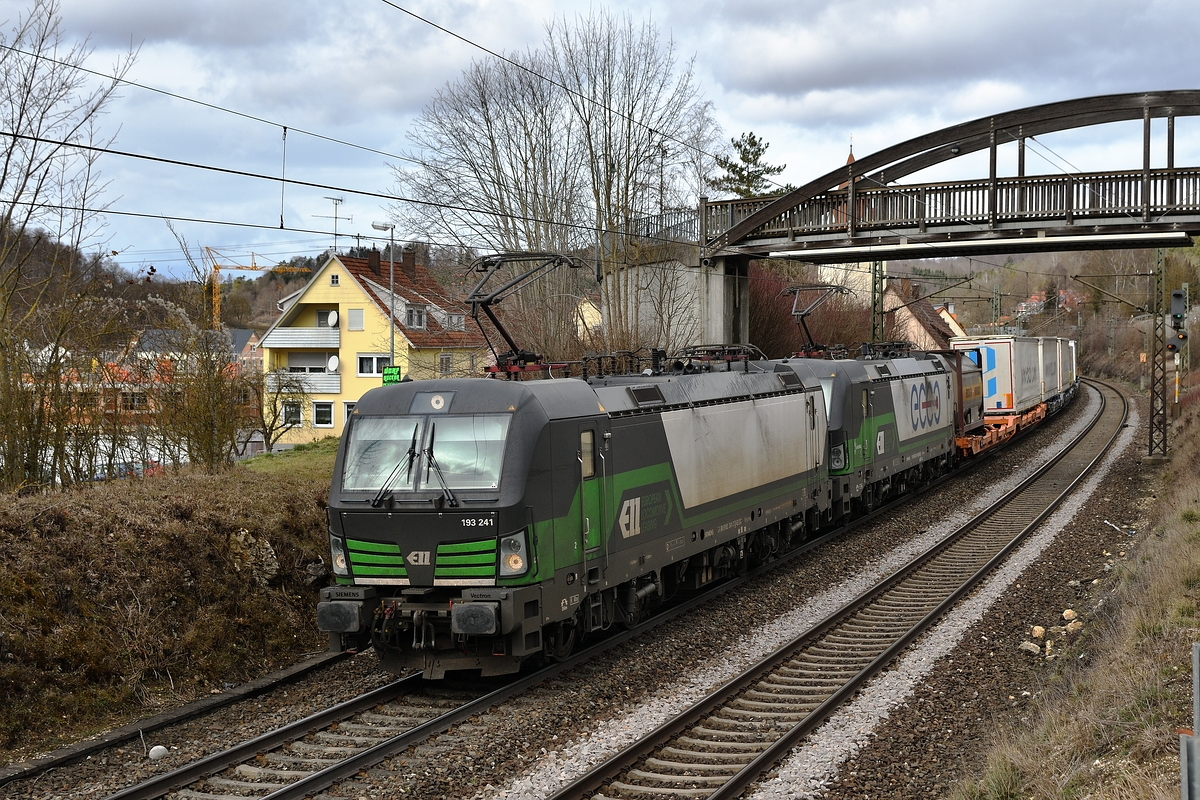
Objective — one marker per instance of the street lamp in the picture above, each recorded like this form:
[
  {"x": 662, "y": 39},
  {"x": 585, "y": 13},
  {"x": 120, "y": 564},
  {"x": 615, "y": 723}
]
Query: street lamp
[{"x": 390, "y": 227}]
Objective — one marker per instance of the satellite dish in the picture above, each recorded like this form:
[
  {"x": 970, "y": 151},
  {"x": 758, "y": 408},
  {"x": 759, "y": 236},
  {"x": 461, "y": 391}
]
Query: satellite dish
[
  {"x": 332, "y": 364},
  {"x": 333, "y": 319}
]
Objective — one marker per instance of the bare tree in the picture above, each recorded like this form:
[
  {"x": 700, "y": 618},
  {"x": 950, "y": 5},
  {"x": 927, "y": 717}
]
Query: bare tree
[
  {"x": 636, "y": 109},
  {"x": 278, "y": 398},
  {"x": 499, "y": 151},
  {"x": 53, "y": 326},
  {"x": 557, "y": 150}
]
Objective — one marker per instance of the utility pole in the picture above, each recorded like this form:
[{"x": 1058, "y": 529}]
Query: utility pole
[
  {"x": 1158, "y": 361},
  {"x": 390, "y": 227},
  {"x": 876, "y": 301},
  {"x": 1187, "y": 351}
]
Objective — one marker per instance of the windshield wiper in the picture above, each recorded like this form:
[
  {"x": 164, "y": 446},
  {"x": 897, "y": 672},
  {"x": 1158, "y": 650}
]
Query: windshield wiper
[
  {"x": 447, "y": 495},
  {"x": 405, "y": 462}
]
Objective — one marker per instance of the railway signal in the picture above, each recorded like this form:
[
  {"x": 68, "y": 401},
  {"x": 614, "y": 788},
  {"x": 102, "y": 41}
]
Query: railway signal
[
  {"x": 1177, "y": 340},
  {"x": 1178, "y": 309}
]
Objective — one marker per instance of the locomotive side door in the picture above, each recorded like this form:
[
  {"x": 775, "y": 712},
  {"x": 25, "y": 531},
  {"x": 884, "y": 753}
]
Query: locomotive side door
[
  {"x": 591, "y": 463},
  {"x": 866, "y": 446}
]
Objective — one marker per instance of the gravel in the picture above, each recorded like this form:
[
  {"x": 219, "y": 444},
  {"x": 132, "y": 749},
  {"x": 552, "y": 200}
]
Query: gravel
[
  {"x": 808, "y": 771},
  {"x": 110, "y": 770}
]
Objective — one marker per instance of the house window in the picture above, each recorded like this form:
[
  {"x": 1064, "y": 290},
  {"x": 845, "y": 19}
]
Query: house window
[
  {"x": 414, "y": 317},
  {"x": 348, "y": 409},
  {"x": 354, "y": 319},
  {"x": 322, "y": 415},
  {"x": 291, "y": 414},
  {"x": 133, "y": 401},
  {"x": 372, "y": 363},
  {"x": 445, "y": 363},
  {"x": 324, "y": 316},
  {"x": 335, "y": 279},
  {"x": 308, "y": 362},
  {"x": 454, "y": 322}
]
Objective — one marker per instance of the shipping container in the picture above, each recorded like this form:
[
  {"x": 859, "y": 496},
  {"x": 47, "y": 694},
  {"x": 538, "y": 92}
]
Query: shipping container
[{"x": 1012, "y": 371}]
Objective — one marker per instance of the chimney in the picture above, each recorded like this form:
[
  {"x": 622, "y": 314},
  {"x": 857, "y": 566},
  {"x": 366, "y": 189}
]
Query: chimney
[
  {"x": 373, "y": 260},
  {"x": 408, "y": 260}
]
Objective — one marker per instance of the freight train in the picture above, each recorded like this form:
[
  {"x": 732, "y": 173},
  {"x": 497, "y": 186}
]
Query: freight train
[{"x": 476, "y": 524}]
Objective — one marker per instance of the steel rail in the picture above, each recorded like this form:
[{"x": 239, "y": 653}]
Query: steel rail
[
  {"x": 197, "y": 770},
  {"x": 79, "y": 751},
  {"x": 590, "y": 783}
]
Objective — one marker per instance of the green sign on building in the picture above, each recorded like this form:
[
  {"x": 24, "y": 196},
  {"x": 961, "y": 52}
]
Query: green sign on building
[{"x": 391, "y": 375}]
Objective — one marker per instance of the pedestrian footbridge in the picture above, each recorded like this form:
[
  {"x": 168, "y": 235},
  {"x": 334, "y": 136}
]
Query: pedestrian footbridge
[{"x": 864, "y": 211}]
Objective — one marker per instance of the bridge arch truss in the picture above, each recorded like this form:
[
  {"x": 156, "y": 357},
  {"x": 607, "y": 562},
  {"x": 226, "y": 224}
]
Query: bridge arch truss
[{"x": 861, "y": 213}]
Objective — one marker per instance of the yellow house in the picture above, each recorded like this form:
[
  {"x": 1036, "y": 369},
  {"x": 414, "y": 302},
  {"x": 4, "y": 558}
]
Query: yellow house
[{"x": 339, "y": 333}]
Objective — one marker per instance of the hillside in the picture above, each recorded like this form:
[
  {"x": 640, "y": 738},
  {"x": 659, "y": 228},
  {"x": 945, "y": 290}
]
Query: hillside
[{"x": 130, "y": 596}]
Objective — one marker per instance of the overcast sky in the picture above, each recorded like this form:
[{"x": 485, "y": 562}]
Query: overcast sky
[{"x": 806, "y": 76}]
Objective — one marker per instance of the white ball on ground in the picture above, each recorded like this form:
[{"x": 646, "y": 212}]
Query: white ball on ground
[{"x": 158, "y": 752}]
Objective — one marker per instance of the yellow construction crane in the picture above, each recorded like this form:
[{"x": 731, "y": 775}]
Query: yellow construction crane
[{"x": 212, "y": 255}]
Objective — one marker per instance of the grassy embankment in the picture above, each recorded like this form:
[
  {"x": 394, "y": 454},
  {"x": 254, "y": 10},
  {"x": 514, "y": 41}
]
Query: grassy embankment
[
  {"x": 127, "y": 597},
  {"x": 1107, "y": 726}
]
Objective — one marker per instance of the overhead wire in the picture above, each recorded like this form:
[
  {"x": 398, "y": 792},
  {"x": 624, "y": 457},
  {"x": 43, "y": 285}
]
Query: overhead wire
[{"x": 284, "y": 127}]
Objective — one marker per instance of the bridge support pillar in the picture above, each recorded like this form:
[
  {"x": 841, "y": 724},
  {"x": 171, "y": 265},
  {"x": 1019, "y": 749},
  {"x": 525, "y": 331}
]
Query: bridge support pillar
[{"x": 725, "y": 299}]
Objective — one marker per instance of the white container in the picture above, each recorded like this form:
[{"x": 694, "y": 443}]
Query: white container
[
  {"x": 1012, "y": 372},
  {"x": 1050, "y": 374}
]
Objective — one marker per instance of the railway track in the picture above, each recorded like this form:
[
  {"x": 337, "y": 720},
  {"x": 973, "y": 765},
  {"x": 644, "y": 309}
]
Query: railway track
[
  {"x": 334, "y": 745},
  {"x": 721, "y": 745}
]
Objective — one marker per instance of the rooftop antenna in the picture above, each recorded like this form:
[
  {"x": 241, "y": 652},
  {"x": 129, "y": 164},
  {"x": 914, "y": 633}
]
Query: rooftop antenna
[{"x": 337, "y": 201}]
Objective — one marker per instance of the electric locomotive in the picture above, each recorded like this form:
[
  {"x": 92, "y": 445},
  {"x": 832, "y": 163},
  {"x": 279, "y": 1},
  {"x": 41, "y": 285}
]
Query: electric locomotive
[{"x": 474, "y": 524}]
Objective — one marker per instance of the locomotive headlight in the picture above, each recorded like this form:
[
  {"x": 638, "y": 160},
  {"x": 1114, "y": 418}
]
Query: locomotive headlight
[
  {"x": 514, "y": 556},
  {"x": 337, "y": 555},
  {"x": 837, "y": 457}
]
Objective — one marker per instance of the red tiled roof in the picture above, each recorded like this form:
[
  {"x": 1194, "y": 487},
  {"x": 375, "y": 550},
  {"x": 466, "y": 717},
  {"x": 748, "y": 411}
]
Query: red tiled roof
[{"x": 421, "y": 287}]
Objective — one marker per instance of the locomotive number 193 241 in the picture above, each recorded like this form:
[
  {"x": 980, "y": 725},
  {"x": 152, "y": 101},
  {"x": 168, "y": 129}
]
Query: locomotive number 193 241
[{"x": 478, "y": 522}]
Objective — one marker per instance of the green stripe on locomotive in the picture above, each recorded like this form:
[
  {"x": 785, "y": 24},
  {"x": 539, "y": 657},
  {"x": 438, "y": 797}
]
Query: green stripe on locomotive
[{"x": 558, "y": 540}]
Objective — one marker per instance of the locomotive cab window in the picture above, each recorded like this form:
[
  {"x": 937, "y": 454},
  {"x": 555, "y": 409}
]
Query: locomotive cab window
[
  {"x": 587, "y": 452},
  {"x": 468, "y": 449},
  {"x": 378, "y": 447},
  {"x": 466, "y": 452}
]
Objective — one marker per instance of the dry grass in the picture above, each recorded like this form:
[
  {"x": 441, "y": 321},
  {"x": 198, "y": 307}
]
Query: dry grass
[
  {"x": 122, "y": 597},
  {"x": 311, "y": 461},
  {"x": 1108, "y": 728}
]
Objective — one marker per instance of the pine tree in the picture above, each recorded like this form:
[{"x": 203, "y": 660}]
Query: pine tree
[{"x": 747, "y": 175}]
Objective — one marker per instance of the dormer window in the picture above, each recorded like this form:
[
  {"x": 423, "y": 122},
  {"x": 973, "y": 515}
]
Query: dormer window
[
  {"x": 454, "y": 322},
  {"x": 414, "y": 316}
]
